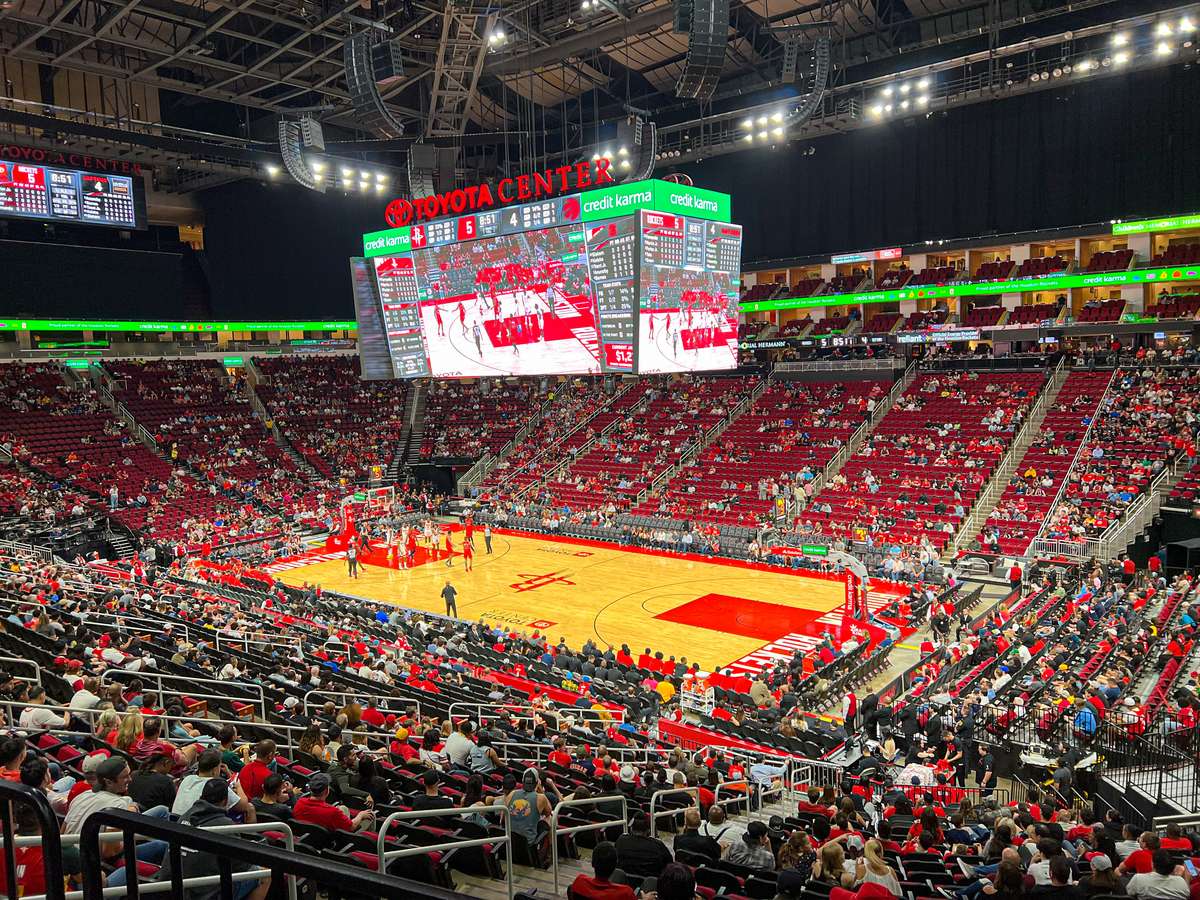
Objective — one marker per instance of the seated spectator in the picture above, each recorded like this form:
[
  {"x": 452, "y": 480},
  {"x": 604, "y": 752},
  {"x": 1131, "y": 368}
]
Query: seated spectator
[
  {"x": 600, "y": 886},
  {"x": 675, "y": 883},
  {"x": 638, "y": 853},
  {"x": 754, "y": 849},
  {"x": 152, "y": 784},
  {"x": 1165, "y": 881},
  {"x": 314, "y": 807},
  {"x": 692, "y": 841},
  {"x": 208, "y": 766},
  {"x": 271, "y": 804},
  {"x": 210, "y": 811},
  {"x": 1102, "y": 879},
  {"x": 431, "y": 798}
]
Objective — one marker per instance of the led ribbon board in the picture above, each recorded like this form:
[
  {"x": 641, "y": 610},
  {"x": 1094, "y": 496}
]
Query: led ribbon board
[
  {"x": 1169, "y": 223},
  {"x": 123, "y": 325},
  {"x": 982, "y": 289}
]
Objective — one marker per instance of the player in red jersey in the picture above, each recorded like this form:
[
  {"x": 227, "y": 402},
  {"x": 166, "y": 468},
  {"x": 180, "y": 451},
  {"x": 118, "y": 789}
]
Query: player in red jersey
[
  {"x": 410, "y": 549},
  {"x": 449, "y": 550},
  {"x": 437, "y": 314},
  {"x": 462, "y": 317},
  {"x": 468, "y": 555}
]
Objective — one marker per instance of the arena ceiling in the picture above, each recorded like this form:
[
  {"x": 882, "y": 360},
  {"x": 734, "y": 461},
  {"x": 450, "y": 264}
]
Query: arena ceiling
[{"x": 548, "y": 70}]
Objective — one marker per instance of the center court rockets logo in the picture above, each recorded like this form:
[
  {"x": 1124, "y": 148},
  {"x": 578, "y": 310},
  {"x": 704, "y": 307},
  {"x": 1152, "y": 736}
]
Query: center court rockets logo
[{"x": 533, "y": 582}]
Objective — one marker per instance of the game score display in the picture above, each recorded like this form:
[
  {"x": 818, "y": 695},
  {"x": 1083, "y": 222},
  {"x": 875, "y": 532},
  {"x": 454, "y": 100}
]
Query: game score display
[
  {"x": 55, "y": 194},
  {"x": 533, "y": 290}
]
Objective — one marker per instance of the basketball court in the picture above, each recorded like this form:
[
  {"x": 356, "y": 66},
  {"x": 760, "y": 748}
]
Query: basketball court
[{"x": 713, "y": 613}]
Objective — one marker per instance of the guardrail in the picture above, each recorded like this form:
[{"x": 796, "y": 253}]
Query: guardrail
[
  {"x": 385, "y": 855},
  {"x": 656, "y": 815},
  {"x": 486, "y": 712},
  {"x": 336, "y": 878},
  {"x": 555, "y": 831},
  {"x": 347, "y": 697}
]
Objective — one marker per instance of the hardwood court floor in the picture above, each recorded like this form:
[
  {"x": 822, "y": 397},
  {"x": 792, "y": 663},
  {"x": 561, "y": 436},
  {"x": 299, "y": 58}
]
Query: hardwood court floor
[{"x": 711, "y": 613}]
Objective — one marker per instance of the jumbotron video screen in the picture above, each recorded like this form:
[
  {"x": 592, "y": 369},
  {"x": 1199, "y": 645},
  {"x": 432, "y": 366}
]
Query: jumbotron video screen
[{"x": 552, "y": 295}]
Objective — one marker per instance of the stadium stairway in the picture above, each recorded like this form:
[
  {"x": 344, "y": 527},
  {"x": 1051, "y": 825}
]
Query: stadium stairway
[
  {"x": 486, "y": 463},
  {"x": 260, "y": 413},
  {"x": 409, "y": 452},
  {"x": 977, "y": 516}
]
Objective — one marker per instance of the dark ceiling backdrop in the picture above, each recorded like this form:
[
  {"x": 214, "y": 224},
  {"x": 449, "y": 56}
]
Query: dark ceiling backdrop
[
  {"x": 1112, "y": 148},
  {"x": 1117, "y": 147}
]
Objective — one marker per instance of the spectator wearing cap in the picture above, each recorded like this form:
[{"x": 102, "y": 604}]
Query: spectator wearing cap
[
  {"x": 529, "y": 809},
  {"x": 1102, "y": 879},
  {"x": 754, "y": 849},
  {"x": 112, "y": 792},
  {"x": 430, "y": 798},
  {"x": 314, "y": 807},
  {"x": 600, "y": 885},
  {"x": 639, "y": 853}
]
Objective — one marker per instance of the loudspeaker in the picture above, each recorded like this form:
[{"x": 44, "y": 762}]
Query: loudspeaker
[
  {"x": 707, "y": 40},
  {"x": 359, "y": 61},
  {"x": 682, "y": 21},
  {"x": 791, "y": 57},
  {"x": 387, "y": 63}
]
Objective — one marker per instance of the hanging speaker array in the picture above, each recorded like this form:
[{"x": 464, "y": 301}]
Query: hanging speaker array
[{"x": 708, "y": 36}]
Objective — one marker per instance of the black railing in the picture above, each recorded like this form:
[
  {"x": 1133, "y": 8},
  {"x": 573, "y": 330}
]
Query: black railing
[
  {"x": 335, "y": 879},
  {"x": 12, "y": 792}
]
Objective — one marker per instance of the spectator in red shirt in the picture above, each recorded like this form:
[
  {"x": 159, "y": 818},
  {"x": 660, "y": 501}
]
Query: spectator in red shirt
[
  {"x": 314, "y": 807},
  {"x": 559, "y": 756},
  {"x": 600, "y": 886},
  {"x": 401, "y": 747},
  {"x": 258, "y": 770},
  {"x": 1140, "y": 860},
  {"x": 372, "y": 716},
  {"x": 1174, "y": 839},
  {"x": 813, "y": 804}
]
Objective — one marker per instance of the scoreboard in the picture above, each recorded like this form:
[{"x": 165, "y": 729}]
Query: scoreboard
[
  {"x": 579, "y": 284},
  {"x": 55, "y": 194}
]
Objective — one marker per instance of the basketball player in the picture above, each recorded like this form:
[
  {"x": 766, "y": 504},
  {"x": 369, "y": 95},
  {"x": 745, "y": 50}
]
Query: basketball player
[
  {"x": 449, "y": 551},
  {"x": 462, "y": 317},
  {"x": 468, "y": 555},
  {"x": 410, "y": 548},
  {"x": 437, "y": 315}
]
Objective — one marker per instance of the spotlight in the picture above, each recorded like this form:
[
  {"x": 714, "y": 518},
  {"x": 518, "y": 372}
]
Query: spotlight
[
  {"x": 1086, "y": 65},
  {"x": 777, "y": 117},
  {"x": 1121, "y": 58},
  {"x": 877, "y": 110},
  {"x": 595, "y": 156},
  {"x": 364, "y": 174},
  {"x": 347, "y": 183},
  {"x": 1186, "y": 26},
  {"x": 1120, "y": 39},
  {"x": 1162, "y": 49},
  {"x": 346, "y": 173},
  {"x": 606, "y": 153},
  {"x": 1163, "y": 29},
  {"x": 379, "y": 188},
  {"x": 1067, "y": 69},
  {"x": 748, "y": 137},
  {"x": 904, "y": 104},
  {"x": 624, "y": 164},
  {"x": 888, "y": 108},
  {"x": 762, "y": 120},
  {"x": 381, "y": 177},
  {"x": 624, "y": 151},
  {"x": 905, "y": 88},
  {"x": 887, "y": 91},
  {"x": 1045, "y": 75},
  {"x": 272, "y": 170},
  {"x": 778, "y": 132},
  {"x": 1106, "y": 62},
  {"x": 1035, "y": 77},
  {"x": 317, "y": 166},
  {"x": 587, "y": 4},
  {"x": 923, "y": 100},
  {"x": 923, "y": 83},
  {"x": 1057, "y": 72},
  {"x": 762, "y": 135},
  {"x": 748, "y": 123}
]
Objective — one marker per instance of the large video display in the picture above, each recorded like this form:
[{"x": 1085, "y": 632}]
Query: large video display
[
  {"x": 551, "y": 288},
  {"x": 687, "y": 294}
]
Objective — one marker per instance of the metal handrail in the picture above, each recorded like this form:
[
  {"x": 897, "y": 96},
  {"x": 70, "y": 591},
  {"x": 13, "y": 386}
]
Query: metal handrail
[
  {"x": 555, "y": 831},
  {"x": 742, "y": 797},
  {"x": 605, "y": 716},
  {"x": 384, "y": 854},
  {"x": 348, "y": 697},
  {"x": 351, "y": 879},
  {"x": 21, "y": 661},
  {"x": 655, "y": 816}
]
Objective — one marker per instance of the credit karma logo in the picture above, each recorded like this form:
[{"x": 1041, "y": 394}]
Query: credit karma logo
[
  {"x": 616, "y": 200},
  {"x": 693, "y": 201}
]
